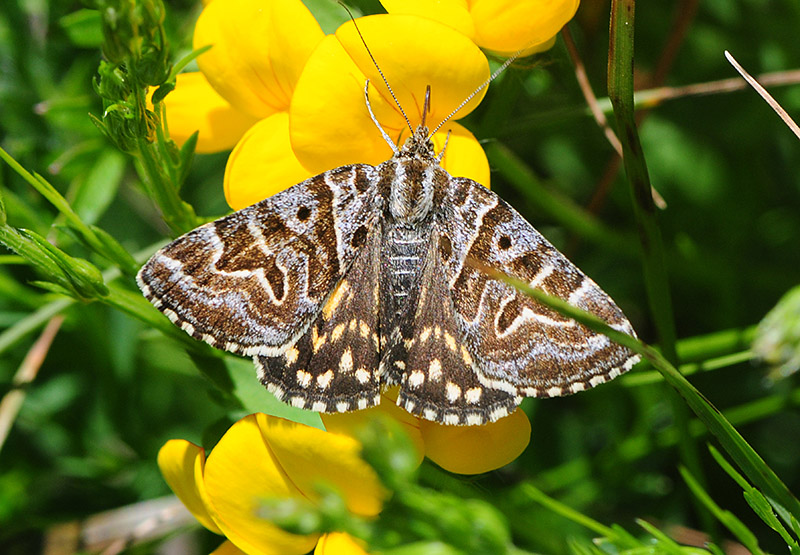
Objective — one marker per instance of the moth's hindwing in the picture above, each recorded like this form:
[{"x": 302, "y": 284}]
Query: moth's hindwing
[
  {"x": 515, "y": 340},
  {"x": 253, "y": 281},
  {"x": 441, "y": 380},
  {"x": 333, "y": 367}
]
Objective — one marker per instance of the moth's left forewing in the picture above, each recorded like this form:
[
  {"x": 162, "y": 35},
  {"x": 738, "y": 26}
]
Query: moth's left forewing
[
  {"x": 515, "y": 338},
  {"x": 253, "y": 281}
]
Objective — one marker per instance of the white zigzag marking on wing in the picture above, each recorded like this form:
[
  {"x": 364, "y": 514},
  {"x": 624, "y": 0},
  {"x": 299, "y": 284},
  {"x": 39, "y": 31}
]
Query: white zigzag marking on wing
[
  {"x": 471, "y": 239},
  {"x": 542, "y": 275},
  {"x": 577, "y": 295}
]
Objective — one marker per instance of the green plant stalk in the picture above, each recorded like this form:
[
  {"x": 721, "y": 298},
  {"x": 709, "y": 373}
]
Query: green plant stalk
[
  {"x": 179, "y": 215},
  {"x": 636, "y": 447},
  {"x": 748, "y": 460},
  {"x": 620, "y": 91},
  {"x": 32, "y": 322},
  {"x": 715, "y": 363}
]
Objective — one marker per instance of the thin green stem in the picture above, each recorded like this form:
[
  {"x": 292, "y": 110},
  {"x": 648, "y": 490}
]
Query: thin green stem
[{"x": 734, "y": 444}]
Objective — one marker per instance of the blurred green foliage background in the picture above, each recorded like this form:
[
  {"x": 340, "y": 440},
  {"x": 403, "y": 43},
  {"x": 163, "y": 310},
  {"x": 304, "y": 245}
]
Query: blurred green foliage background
[{"x": 112, "y": 389}]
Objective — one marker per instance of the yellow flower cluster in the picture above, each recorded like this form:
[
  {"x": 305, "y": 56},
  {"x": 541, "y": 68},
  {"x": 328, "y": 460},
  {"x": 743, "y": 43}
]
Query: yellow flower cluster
[
  {"x": 263, "y": 458},
  {"x": 289, "y": 101}
]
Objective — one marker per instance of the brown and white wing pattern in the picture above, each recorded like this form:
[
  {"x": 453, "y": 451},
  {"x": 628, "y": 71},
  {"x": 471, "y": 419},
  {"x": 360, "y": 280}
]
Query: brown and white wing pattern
[
  {"x": 441, "y": 380},
  {"x": 517, "y": 344},
  {"x": 333, "y": 366},
  {"x": 254, "y": 281}
]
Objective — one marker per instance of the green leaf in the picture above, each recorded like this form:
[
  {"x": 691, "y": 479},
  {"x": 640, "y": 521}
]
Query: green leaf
[
  {"x": 763, "y": 509},
  {"x": 255, "y": 397},
  {"x": 100, "y": 186},
  {"x": 115, "y": 252},
  {"x": 186, "y": 156},
  {"x": 728, "y": 519},
  {"x": 83, "y": 28}
]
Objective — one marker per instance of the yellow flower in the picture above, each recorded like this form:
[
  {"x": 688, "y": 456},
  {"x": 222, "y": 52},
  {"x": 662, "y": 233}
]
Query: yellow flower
[
  {"x": 195, "y": 106},
  {"x": 259, "y": 48},
  {"x": 328, "y": 123},
  {"x": 502, "y": 26},
  {"x": 459, "y": 449},
  {"x": 263, "y": 457}
]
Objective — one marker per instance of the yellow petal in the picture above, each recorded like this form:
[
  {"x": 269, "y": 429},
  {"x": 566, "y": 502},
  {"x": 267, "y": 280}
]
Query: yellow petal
[
  {"x": 330, "y": 124},
  {"x": 181, "y": 464},
  {"x": 339, "y": 543},
  {"x": 227, "y": 548},
  {"x": 310, "y": 456},
  {"x": 413, "y": 53},
  {"x": 476, "y": 449},
  {"x": 505, "y": 26},
  {"x": 241, "y": 472},
  {"x": 464, "y": 156},
  {"x": 195, "y": 106},
  {"x": 259, "y": 49},
  {"x": 454, "y": 13},
  {"x": 263, "y": 163},
  {"x": 349, "y": 423}
]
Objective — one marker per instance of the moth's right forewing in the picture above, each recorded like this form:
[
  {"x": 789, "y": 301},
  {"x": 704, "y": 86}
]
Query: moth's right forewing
[
  {"x": 518, "y": 341},
  {"x": 252, "y": 282}
]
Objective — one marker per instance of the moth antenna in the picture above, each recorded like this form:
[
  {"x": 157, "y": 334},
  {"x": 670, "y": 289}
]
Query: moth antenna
[
  {"x": 380, "y": 72},
  {"x": 485, "y": 84},
  {"x": 386, "y": 136},
  {"x": 444, "y": 148},
  {"x": 426, "y": 107}
]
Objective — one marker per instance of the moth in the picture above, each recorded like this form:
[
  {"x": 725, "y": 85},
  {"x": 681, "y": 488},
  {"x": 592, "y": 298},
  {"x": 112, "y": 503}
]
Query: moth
[{"x": 359, "y": 279}]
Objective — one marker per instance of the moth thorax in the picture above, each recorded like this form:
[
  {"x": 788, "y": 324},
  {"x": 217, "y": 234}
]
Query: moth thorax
[{"x": 412, "y": 190}]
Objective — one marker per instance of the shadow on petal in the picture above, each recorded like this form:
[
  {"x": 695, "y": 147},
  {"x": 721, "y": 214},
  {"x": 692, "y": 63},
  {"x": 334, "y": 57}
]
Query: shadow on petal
[
  {"x": 262, "y": 164},
  {"x": 227, "y": 548},
  {"x": 349, "y": 423},
  {"x": 182, "y": 464},
  {"x": 195, "y": 106},
  {"x": 464, "y": 156},
  {"x": 310, "y": 456},
  {"x": 259, "y": 50},
  {"x": 476, "y": 449},
  {"x": 240, "y": 474},
  {"x": 338, "y": 543}
]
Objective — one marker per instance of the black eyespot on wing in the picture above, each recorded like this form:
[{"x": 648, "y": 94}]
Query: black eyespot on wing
[
  {"x": 303, "y": 213},
  {"x": 504, "y": 242},
  {"x": 445, "y": 248},
  {"x": 359, "y": 237}
]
